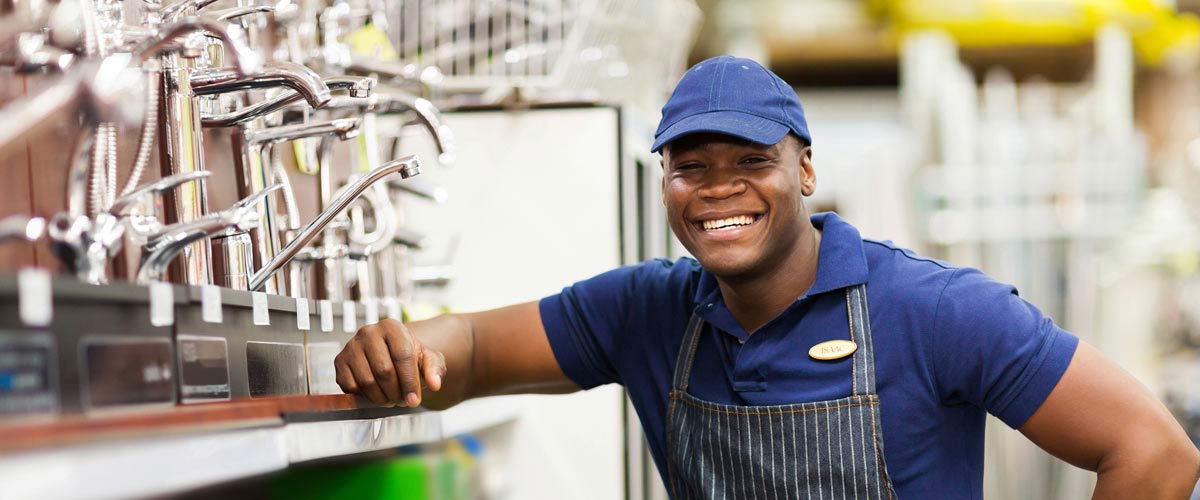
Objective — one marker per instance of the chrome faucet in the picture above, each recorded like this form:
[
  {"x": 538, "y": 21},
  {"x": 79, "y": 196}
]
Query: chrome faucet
[
  {"x": 164, "y": 245},
  {"x": 85, "y": 244},
  {"x": 343, "y": 128},
  {"x": 396, "y": 102},
  {"x": 355, "y": 86},
  {"x": 406, "y": 167},
  {"x": 277, "y": 74}
]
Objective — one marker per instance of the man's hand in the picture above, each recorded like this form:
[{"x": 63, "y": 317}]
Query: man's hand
[
  {"x": 458, "y": 356},
  {"x": 389, "y": 365}
]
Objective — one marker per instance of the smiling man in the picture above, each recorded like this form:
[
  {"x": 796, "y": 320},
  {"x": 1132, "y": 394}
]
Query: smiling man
[{"x": 791, "y": 358}]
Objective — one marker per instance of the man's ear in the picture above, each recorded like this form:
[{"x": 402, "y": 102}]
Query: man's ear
[{"x": 808, "y": 175}]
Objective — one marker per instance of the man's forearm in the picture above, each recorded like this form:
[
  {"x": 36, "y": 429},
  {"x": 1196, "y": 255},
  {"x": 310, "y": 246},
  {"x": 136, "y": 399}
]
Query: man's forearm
[{"x": 1165, "y": 473}]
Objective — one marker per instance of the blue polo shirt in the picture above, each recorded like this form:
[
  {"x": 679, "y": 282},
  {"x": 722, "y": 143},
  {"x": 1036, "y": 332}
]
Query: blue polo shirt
[{"x": 950, "y": 345}]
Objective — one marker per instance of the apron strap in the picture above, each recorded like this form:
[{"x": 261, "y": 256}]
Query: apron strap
[
  {"x": 863, "y": 369},
  {"x": 687, "y": 353}
]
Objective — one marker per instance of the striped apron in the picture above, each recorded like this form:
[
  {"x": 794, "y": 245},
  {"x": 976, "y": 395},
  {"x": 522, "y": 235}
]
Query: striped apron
[{"x": 819, "y": 450}]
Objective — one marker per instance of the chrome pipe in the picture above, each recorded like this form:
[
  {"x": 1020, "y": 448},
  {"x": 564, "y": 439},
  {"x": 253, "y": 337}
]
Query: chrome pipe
[{"x": 406, "y": 167}]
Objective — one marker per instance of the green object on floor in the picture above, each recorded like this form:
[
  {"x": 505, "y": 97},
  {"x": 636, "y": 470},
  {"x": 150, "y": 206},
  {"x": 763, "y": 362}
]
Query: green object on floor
[{"x": 398, "y": 479}]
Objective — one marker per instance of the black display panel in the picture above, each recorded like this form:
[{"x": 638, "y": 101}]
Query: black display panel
[{"x": 203, "y": 368}]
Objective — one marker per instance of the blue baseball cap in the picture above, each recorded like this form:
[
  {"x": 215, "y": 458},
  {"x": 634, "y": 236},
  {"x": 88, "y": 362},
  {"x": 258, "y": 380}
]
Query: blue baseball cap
[{"x": 734, "y": 96}]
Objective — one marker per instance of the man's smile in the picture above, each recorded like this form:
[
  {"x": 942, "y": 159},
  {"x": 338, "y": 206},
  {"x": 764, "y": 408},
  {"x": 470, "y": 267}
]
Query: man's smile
[{"x": 727, "y": 225}]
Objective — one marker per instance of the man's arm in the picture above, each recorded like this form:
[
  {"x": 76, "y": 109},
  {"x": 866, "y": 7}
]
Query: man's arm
[
  {"x": 457, "y": 356},
  {"x": 1101, "y": 419}
]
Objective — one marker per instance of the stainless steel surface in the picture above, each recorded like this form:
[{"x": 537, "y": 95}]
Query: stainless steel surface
[
  {"x": 315, "y": 440},
  {"x": 276, "y": 74},
  {"x": 406, "y": 167},
  {"x": 182, "y": 153},
  {"x": 167, "y": 243},
  {"x": 233, "y": 260}
]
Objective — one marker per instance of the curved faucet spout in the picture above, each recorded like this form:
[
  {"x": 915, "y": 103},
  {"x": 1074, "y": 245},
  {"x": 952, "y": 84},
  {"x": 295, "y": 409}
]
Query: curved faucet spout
[
  {"x": 356, "y": 86},
  {"x": 343, "y": 128},
  {"x": 407, "y": 167},
  {"x": 277, "y": 74},
  {"x": 394, "y": 102}
]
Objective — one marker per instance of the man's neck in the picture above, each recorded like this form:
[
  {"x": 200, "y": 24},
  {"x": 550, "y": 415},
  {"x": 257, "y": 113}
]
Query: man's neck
[{"x": 756, "y": 301}]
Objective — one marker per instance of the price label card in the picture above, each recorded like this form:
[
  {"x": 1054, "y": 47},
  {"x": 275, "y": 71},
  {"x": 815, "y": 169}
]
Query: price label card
[
  {"x": 210, "y": 304},
  {"x": 302, "y": 315},
  {"x": 261, "y": 315},
  {"x": 326, "y": 316},
  {"x": 371, "y": 316},
  {"x": 349, "y": 317},
  {"x": 162, "y": 304},
  {"x": 35, "y": 297}
]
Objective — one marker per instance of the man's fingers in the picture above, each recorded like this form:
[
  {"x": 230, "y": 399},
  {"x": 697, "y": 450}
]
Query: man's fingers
[
  {"x": 378, "y": 356},
  {"x": 363, "y": 376},
  {"x": 345, "y": 379},
  {"x": 405, "y": 354},
  {"x": 433, "y": 365}
]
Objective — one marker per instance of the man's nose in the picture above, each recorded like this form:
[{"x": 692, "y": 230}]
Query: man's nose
[{"x": 722, "y": 182}]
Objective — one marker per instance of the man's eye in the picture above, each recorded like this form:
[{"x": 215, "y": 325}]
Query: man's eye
[
  {"x": 688, "y": 166},
  {"x": 754, "y": 159}
]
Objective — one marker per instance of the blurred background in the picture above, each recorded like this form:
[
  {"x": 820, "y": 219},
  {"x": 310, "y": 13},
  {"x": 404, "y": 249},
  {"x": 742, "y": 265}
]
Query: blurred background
[{"x": 1054, "y": 144}]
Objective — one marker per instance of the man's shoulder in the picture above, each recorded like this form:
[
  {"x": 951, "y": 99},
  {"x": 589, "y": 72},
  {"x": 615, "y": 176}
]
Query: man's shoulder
[{"x": 895, "y": 262}]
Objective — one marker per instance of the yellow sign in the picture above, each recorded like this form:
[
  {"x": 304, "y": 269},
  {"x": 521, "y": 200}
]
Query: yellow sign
[{"x": 833, "y": 349}]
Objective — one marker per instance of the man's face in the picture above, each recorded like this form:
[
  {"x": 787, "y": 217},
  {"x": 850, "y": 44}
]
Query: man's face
[{"x": 737, "y": 206}]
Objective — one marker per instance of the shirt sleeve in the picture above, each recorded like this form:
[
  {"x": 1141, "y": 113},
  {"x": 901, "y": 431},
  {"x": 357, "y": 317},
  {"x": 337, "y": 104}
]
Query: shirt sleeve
[
  {"x": 994, "y": 350},
  {"x": 584, "y": 324}
]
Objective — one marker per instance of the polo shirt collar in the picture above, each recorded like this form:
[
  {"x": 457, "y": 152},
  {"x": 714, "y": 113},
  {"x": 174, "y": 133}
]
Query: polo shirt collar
[{"x": 842, "y": 262}]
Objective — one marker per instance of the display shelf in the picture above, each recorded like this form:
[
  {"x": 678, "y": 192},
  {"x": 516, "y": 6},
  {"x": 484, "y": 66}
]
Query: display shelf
[
  {"x": 137, "y": 455},
  {"x": 146, "y": 467}
]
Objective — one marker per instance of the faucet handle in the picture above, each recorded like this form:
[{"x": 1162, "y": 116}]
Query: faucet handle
[{"x": 122, "y": 205}]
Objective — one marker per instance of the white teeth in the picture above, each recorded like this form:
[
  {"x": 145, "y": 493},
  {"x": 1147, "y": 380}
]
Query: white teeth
[{"x": 737, "y": 220}]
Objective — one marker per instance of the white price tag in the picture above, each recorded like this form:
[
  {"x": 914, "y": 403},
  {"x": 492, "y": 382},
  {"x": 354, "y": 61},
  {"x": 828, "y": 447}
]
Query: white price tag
[
  {"x": 210, "y": 304},
  {"x": 302, "y": 315},
  {"x": 162, "y": 304},
  {"x": 371, "y": 316},
  {"x": 392, "y": 306},
  {"x": 349, "y": 317},
  {"x": 35, "y": 297},
  {"x": 262, "y": 316},
  {"x": 326, "y": 316}
]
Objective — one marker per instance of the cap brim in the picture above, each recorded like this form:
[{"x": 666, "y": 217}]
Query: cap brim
[{"x": 750, "y": 127}]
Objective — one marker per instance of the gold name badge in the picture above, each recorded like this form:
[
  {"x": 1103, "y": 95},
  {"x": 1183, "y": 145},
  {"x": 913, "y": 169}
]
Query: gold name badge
[{"x": 833, "y": 349}]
